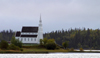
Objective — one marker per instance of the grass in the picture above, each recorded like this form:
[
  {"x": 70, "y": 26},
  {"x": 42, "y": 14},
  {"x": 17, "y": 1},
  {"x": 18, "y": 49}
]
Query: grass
[
  {"x": 9, "y": 51},
  {"x": 30, "y": 44},
  {"x": 42, "y": 50},
  {"x": 32, "y": 50},
  {"x": 38, "y": 49}
]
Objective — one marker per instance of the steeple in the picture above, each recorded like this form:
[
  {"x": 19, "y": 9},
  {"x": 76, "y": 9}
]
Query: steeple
[
  {"x": 40, "y": 19},
  {"x": 40, "y": 31}
]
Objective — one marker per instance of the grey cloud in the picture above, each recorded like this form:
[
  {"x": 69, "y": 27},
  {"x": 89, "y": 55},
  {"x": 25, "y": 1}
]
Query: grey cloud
[{"x": 61, "y": 13}]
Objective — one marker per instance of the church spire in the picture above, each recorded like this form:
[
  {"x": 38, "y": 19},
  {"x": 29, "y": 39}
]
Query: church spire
[
  {"x": 40, "y": 32},
  {"x": 40, "y": 18}
]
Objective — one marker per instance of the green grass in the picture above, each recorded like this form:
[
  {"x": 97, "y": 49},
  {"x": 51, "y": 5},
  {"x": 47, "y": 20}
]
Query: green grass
[
  {"x": 32, "y": 49},
  {"x": 30, "y": 44},
  {"x": 42, "y": 50}
]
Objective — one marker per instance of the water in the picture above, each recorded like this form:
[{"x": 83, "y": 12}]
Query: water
[
  {"x": 90, "y": 50},
  {"x": 52, "y": 55}
]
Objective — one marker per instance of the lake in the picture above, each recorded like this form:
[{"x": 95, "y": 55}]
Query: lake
[
  {"x": 52, "y": 55},
  {"x": 90, "y": 50}
]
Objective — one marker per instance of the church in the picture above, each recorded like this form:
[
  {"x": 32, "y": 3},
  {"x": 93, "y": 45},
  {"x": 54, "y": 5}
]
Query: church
[{"x": 30, "y": 34}]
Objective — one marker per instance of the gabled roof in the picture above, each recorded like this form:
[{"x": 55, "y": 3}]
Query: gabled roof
[
  {"x": 28, "y": 35},
  {"x": 29, "y": 29},
  {"x": 18, "y": 34}
]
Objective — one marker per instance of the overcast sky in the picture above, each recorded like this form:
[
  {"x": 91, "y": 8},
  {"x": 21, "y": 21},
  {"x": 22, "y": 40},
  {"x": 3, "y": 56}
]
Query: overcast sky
[{"x": 55, "y": 14}]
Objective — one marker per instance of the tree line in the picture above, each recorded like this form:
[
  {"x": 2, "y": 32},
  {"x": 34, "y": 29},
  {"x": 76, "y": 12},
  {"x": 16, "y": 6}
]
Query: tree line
[
  {"x": 6, "y": 35},
  {"x": 76, "y": 38}
]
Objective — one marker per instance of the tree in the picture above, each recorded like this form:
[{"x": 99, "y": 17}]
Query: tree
[
  {"x": 41, "y": 42},
  {"x": 4, "y": 44},
  {"x": 16, "y": 42},
  {"x": 79, "y": 45},
  {"x": 13, "y": 40},
  {"x": 6, "y": 35},
  {"x": 51, "y": 44},
  {"x": 50, "y": 40},
  {"x": 65, "y": 44},
  {"x": 45, "y": 41}
]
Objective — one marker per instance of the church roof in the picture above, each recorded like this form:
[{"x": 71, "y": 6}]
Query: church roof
[
  {"x": 18, "y": 34},
  {"x": 28, "y": 35},
  {"x": 29, "y": 29}
]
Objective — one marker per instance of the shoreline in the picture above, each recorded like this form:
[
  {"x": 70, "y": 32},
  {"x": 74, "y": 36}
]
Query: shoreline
[{"x": 9, "y": 52}]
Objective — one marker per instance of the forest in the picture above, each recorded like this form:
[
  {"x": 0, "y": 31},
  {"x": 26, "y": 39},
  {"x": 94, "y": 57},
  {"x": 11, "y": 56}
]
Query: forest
[
  {"x": 76, "y": 38},
  {"x": 6, "y": 35}
]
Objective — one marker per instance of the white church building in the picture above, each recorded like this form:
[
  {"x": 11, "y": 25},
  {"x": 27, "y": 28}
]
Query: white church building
[{"x": 30, "y": 34}]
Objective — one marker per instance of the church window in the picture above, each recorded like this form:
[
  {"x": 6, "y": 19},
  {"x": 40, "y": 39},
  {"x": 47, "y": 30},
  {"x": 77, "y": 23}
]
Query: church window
[
  {"x": 25, "y": 39},
  {"x": 28, "y": 39},
  {"x": 34, "y": 39},
  {"x": 21, "y": 39},
  {"x": 31, "y": 39}
]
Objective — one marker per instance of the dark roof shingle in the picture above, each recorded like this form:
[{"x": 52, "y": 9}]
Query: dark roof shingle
[
  {"x": 28, "y": 35},
  {"x": 29, "y": 29},
  {"x": 18, "y": 34}
]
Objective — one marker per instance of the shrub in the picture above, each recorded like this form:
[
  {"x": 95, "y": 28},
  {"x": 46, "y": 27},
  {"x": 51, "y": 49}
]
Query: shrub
[
  {"x": 81, "y": 49},
  {"x": 4, "y": 44},
  {"x": 50, "y": 45},
  {"x": 13, "y": 47},
  {"x": 61, "y": 47},
  {"x": 57, "y": 47},
  {"x": 72, "y": 49},
  {"x": 17, "y": 48},
  {"x": 16, "y": 42},
  {"x": 45, "y": 41},
  {"x": 41, "y": 42},
  {"x": 68, "y": 49},
  {"x": 21, "y": 49}
]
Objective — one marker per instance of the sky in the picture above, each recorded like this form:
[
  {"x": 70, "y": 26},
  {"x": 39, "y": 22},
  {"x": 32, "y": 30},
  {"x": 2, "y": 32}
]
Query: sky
[{"x": 55, "y": 14}]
